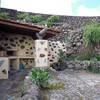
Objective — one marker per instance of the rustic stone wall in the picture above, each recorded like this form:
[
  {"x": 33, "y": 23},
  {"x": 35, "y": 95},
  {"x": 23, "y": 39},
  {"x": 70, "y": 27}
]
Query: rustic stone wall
[
  {"x": 24, "y": 44},
  {"x": 54, "y": 48},
  {"x": 72, "y": 39},
  {"x": 78, "y": 65},
  {"x": 21, "y": 44},
  {"x": 75, "y": 21}
]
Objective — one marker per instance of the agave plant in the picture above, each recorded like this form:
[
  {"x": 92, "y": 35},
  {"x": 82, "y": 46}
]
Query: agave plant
[{"x": 39, "y": 76}]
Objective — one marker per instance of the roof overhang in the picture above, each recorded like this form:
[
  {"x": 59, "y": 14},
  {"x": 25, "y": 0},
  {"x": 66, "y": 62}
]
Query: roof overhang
[{"x": 11, "y": 26}]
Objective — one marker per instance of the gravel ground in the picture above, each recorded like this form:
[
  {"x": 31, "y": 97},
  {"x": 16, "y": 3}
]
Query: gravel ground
[
  {"x": 12, "y": 87},
  {"x": 78, "y": 86}
]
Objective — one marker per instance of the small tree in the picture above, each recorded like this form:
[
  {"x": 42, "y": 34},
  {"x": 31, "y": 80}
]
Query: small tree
[{"x": 61, "y": 56}]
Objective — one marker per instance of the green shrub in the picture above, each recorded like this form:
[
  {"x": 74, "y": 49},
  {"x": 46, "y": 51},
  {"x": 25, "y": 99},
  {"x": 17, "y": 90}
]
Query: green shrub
[
  {"x": 36, "y": 18},
  {"x": 91, "y": 34},
  {"x": 60, "y": 65},
  {"x": 39, "y": 76},
  {"x": 4, "y": 15},
  {"x": 91, "y": 37},
  {"x": 24, "y": 16},
  {"x": 61, "y": 56},
  {"x": 49, "y": 24},
  {"x": 29, "y": 18},
  {"x": 51, "y": 20},
  {"x": 84, "y": 56},
  {"x": 93, "y": 66},
  {"x": 97, "y": 57},
  {"x": 93, "y": 69},
  {"x": 70, "y": 57}
]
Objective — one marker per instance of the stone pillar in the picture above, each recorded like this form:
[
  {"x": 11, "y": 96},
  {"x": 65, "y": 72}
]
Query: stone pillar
[
  {"x": 4, "y": 68},
  {"x": 41, "y": 53}
]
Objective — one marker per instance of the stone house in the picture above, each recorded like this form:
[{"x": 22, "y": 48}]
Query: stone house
[{"x": 17, "y": 44}]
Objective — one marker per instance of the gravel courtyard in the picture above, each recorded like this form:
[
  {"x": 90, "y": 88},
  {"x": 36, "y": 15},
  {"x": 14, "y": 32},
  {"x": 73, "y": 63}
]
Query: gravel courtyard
[{"x": 78, "y": 86}]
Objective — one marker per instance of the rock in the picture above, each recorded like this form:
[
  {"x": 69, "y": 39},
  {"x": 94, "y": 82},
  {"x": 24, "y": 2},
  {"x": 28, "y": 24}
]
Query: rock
[
  {"x": 78, "y": 44},
  {"x": 77, "y": 65},
  {"x": 60, "y": 66}
]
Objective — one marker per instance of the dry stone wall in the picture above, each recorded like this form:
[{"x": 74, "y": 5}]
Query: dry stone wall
[
  {"x": 72, "y": 39},
  {"x": 76, "y": 21},
  {"x": 54, "y": 48},
  {"x": 71, "y": 28}
]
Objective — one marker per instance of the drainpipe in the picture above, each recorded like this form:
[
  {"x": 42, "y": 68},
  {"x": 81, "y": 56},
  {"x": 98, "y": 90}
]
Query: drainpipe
[{"x": 42, "y": 33}]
